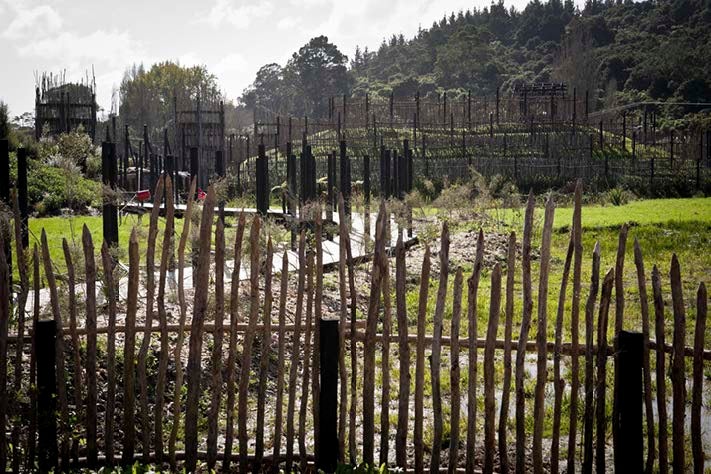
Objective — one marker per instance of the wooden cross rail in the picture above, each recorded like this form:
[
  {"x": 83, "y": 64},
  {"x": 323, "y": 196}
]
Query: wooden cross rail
[{"x": 566, "y": 347}]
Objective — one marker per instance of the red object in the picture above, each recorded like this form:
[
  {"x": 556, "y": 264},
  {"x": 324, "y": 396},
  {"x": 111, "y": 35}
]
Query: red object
[
  {"x": 144, "y": 195},
  {"x": 201, "y": 194}
]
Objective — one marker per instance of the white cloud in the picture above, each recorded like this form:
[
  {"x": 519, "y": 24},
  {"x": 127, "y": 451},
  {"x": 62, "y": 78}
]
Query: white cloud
[
  {"x": 109, "y": 53},
  {"x": 100, "y": 46},
  {"x": 233, "y": 62},
  {"x": 189, "y": 59},
  {"x": 33, "y": 21},
  {"x": 286, "y": 23},
  {"x": 238, "y": 13}
]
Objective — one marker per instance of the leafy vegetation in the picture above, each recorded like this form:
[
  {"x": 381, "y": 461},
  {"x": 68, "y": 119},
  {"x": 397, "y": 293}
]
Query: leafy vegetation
[{"x": 621, "y": 52}]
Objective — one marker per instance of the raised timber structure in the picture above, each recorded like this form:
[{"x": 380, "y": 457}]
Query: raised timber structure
[
  {"x": 203, "y": 128},
  {"x": 62, "y": 107}
]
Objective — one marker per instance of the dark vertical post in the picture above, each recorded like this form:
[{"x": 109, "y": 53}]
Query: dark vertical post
[
  {"x": 395, "y": 174},
  {"x": 126, "y": 150},
  {"x": 345, "y": 178},
  {"x": 330, "y": 182},
  {"x": 671, "y": 150},
  {"x": 624, "y": 131},
  {"x": 587, "y": 104},
  {"x": 291, "y": 178},
  {"x": 406, "y": 153},
  {"x": 629, "y": 429},
  {"x": 22, "y": 194},
  {"x": 410, "y": 170},
  {"x": 469, "y": 109},
  {"x": 310, "y": 175},
  {"x": 385, "y": 175},
  {"x": 366, "y": 179},
  {"x": 497, "y": 106},
  {"x": 147, "y": 157},
  {"x": 45, "y": 339},
  {"x": 219, "y": 164},
  {"x": 262, "y": 181},
  {"x": 327, "y": 447},
  {"x": 5, "y": 172},
  {"x": 170, "y": 168},
  {"x": 424, "y": 156},
  {"x": 491, "y": 125},
  {"x": 110, "y": 211},
  {"x": 575, "y": 107},
  {"x": 194, "y": 164},
  {"x": 332, "y": 198},
  {"x": 5, "y": 192}
]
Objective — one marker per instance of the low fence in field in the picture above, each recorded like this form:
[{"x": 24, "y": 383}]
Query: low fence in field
[{"x": 261, "y": 392}]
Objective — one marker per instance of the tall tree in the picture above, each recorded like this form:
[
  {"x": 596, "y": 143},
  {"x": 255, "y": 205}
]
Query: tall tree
[
  {"x": 319, "y": 71},
  {"x": 147, "y": 95}
]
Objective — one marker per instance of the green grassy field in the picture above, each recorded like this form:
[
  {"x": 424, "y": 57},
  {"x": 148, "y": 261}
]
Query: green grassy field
[{"x": 663, "y": 227}]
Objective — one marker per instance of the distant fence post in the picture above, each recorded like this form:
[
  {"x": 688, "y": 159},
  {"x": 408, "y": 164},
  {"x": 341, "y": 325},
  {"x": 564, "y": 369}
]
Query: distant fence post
[
  {"x": 366, "y": 180},
  {"x": 330, "y": 184},
  {"x": 22, "y": 194},
  {"x": 110, "y": 211},
  {"x": 45, "y": 339},
  {"x": 219, "y": 164},
  {"x": 327, "y": 447},
  {"x": 5, "y": 171},
  {"x": 5, "y": 189},
  {"x": 262, "y": 181},
  {"x": 345, "y": 178},
  {"x": 291, "y": 178},
  {"x": 194, "y": 163},
  {"x": 630, "y": 439}
]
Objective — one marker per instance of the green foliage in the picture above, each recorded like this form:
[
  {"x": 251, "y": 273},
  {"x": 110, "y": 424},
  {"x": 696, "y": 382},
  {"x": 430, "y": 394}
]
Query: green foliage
[
  {"x": 62, "y": 174},
  {"x": 314, "y": 73},
  {"x": 618, "y": 196},
  {"x": 146, "y": 96},
  {"x": 620, "y": 52},
  {"x": 48, "y": 191}
]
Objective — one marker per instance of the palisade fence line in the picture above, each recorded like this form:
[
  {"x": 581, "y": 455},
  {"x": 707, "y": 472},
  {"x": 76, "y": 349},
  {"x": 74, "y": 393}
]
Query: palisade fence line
[
  {"x": 66, "y": 366},
  {"x": 527, "y": 138}
]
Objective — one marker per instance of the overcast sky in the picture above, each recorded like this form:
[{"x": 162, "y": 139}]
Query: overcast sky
[{"x": 233, "y": 38}]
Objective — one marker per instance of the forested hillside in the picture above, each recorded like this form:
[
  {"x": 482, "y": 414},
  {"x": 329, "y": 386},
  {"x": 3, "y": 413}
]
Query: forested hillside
[{"x": 621, "y": 52}]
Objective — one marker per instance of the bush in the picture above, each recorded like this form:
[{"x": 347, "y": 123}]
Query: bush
[
  {"x": 48, "y": 191},
  {"x": 429, "y": 189},
  {"x": 618, "y": 196}
]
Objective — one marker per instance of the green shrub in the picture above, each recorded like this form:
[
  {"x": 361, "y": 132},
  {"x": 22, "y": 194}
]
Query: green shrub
[{"x": 49, "y": 192}]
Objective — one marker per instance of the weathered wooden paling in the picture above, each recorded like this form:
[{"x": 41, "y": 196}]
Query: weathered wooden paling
[
  {"x": 506, "y": 385},
  {"x": 420, "y": 362},
  {"x": 435, "y": 357},
  {"x": 541, "y": 339},
  {"x": 194, "y": 367},
  {"x": 523, "y": 337}
]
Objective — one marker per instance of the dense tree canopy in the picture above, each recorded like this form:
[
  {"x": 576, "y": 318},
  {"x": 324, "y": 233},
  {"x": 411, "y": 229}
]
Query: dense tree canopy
[
  {"x": 315, "y": 72},
  {"x": 146, "y": 96},
  {"x": 619, "y": 50}
]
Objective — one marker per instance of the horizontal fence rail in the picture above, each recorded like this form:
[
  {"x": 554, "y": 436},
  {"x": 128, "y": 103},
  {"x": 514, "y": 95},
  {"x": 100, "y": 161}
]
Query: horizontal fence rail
[{"x": 242, "y": 377}]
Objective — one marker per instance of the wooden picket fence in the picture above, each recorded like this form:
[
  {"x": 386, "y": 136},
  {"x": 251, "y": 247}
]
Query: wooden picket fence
[{"x": 62, "y": 407}]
